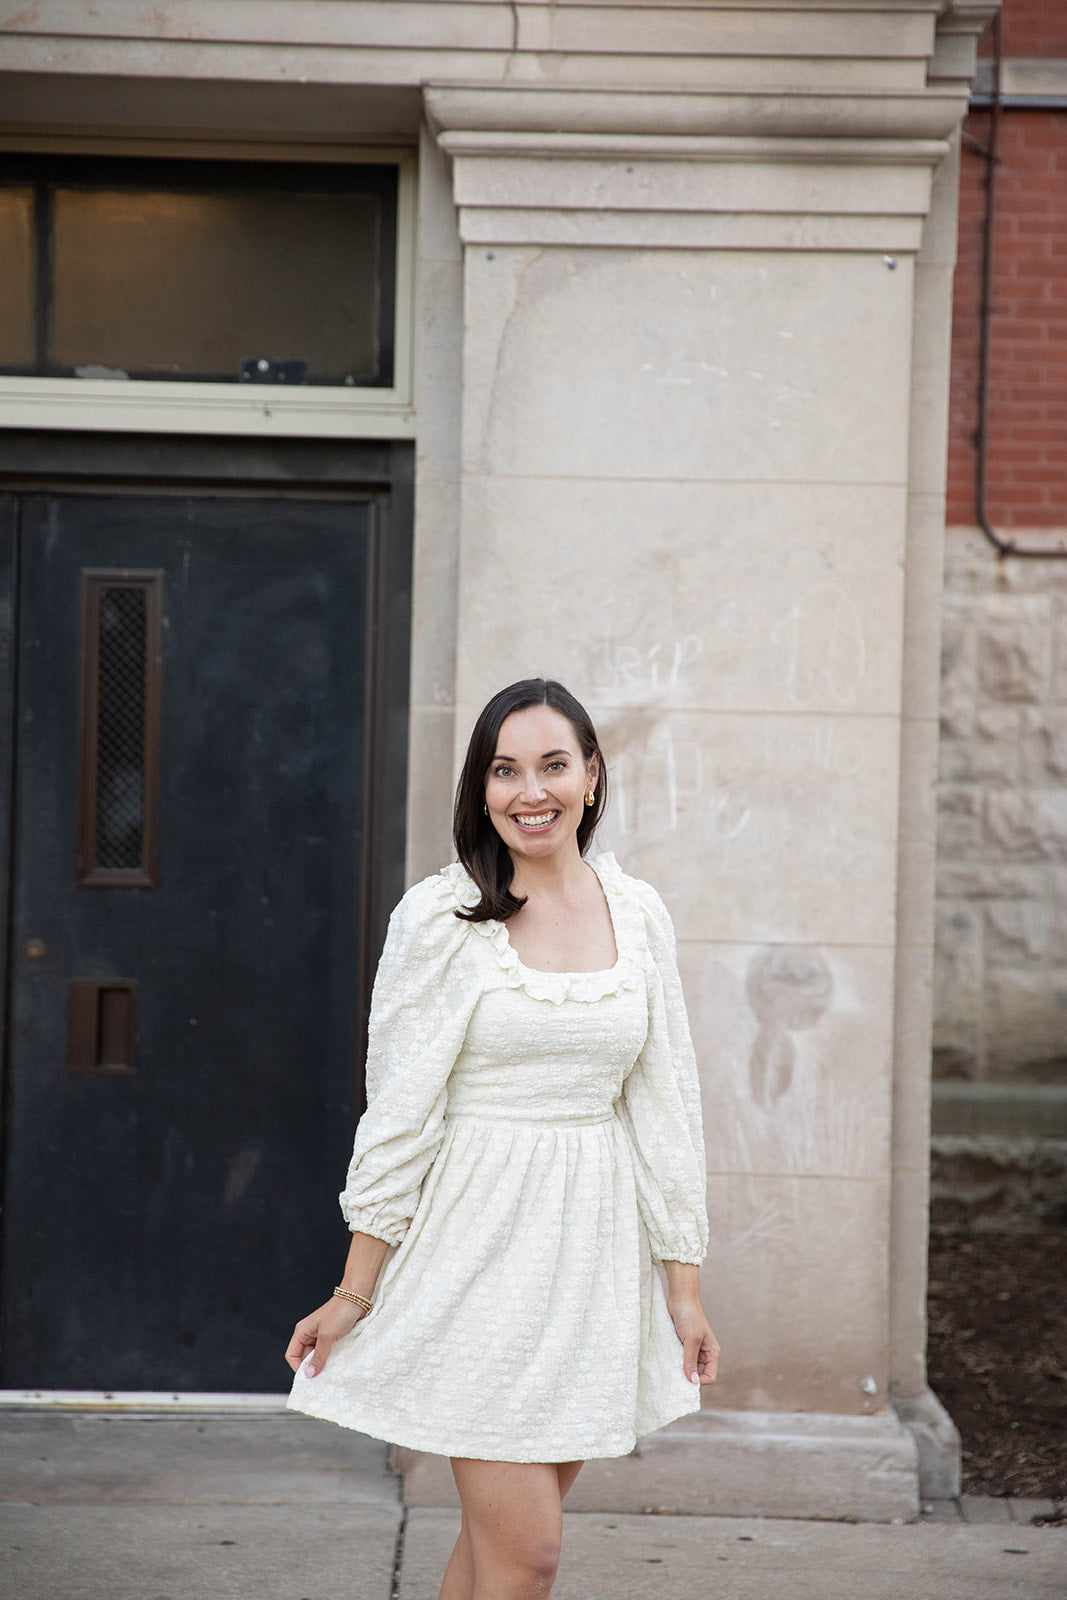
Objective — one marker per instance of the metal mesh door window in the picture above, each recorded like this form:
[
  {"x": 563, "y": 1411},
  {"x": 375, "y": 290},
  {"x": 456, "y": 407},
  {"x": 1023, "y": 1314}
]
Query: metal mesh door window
[{"x": 119, "y": 790}]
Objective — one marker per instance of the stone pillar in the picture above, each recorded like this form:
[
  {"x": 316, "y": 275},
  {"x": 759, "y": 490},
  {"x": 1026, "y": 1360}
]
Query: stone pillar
[
  {"x": 936, "y": 1437},
  {"x": 935, "y": 1434},
  {"x": 688, "y": 387},
  {"x": 438, "y": 384}
]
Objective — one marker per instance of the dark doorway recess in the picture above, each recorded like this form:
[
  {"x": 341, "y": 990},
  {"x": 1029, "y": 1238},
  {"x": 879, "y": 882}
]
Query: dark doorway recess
[{"x": 184, "y": 1033}]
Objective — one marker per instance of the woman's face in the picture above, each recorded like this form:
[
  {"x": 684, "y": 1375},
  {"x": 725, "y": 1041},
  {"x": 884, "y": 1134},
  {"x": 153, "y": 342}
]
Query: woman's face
[{"x": 537, "y": 782}]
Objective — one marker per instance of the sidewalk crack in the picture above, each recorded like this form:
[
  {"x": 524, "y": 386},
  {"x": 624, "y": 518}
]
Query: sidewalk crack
[{"x": 398, "y": 1555}]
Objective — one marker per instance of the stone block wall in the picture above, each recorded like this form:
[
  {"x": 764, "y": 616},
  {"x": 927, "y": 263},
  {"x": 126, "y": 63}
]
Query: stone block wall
[{"x": 1001, "y": 955}]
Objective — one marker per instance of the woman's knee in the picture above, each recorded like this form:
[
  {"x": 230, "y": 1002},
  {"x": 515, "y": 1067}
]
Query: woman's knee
[
  {"x": 539, "y": 1556},
  {"x": 527, "y": 1552}
]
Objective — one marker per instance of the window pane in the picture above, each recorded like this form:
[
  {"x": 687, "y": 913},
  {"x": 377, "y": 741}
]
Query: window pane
[
  {"x": 120, "y": 729},
  {"x": 183, "y": 285},
  {"x": 16, "y": 278},
  {"x": 118, "y": 801}
]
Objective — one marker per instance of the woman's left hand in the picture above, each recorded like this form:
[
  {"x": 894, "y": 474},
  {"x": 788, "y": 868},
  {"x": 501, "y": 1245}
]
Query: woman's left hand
[{"x": 700, "y": 1348}]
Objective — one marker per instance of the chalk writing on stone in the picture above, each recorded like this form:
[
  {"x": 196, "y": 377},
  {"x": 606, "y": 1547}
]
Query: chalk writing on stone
[{"x": 790, "y": 988}]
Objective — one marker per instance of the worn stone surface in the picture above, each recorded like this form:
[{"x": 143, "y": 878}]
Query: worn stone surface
[
  {"x": 1026, "y": 1020},
  {"x": 958, "y": 1027},
  {"x": 941, "y": 1511},
  {"x": 1001, "y": 967},
  {"x": 1016, "y": 932},
  {"x": 435, "y": 570},
  {"x": 196, "y": 1506},
  {"x": 287, "y": 1539},
  {"x": 1044, "y": 743},
  {"x": 749, "y": 622},
  {"x": 734, "y": 1463},
  {"x": 1031, "y": 824},
  {"x": 1057, "y": 933},
  {"x": 959, "y": 822},
  {"x": 100, "y": 1458},
  {"x": 989, "y": 880},
  {"x": 1017, "y": 1183},
  {"x": 694, "y": 1558},
  {"x": 797, "y": 1058},
  {"x": 1023, "y": 1511},
  {"x": 1015, "y": 647},
  {"x": 823, "y": 1245},
  {"x": 1004, "y": 1110},
  {"x": 937, "y": 1441},
  {"x": 959, "y": 673},
  {"x": 164, "y": 1552},
  {"x": 1059, "y": 648},
  {"x": 980, "y": 1509}
]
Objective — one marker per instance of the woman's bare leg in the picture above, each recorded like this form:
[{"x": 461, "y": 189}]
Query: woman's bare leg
[
  {"x": 458, "y": 1581},
  {"x": 509, "y": 1540}
]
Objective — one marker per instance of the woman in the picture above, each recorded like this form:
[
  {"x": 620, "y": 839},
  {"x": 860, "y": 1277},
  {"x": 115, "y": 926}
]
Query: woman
[{"x": 532, "y": 1145}]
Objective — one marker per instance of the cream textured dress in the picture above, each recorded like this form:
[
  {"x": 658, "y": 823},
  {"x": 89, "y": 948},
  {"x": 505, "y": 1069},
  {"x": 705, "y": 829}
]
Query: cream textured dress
[{"x": 532, "y": 1145}]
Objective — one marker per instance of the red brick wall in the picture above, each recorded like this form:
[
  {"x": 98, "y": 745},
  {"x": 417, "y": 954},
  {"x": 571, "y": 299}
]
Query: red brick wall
[
  {"x": 1030, "y": 28},
  {"x": 1027, "y": 449}
]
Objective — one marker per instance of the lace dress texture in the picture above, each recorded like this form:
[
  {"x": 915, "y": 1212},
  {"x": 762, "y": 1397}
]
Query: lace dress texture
[{"x": 532, "y": 1145}]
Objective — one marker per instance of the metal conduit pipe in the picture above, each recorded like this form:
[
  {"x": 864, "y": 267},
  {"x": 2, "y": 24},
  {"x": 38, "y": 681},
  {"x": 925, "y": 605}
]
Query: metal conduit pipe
[{"x": 1003, "y": 546}]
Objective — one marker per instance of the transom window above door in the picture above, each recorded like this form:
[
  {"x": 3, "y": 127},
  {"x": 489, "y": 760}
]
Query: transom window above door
[{"x": 221, "y": 272}]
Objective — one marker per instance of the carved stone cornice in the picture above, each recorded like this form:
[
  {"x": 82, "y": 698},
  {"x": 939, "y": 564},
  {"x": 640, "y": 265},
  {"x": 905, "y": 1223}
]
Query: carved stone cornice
[
  {"x": 967, "y": 16},
  {"x": 701, "y": 148},
  {"x": 840, "y": 165},
  {"x": 922, "y": 114},
  {"x": 786, "y": 69}
]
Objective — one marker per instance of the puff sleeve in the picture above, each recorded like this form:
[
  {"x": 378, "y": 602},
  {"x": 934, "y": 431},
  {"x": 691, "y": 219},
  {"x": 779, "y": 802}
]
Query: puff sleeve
[
  {"x": 424, "y": 993},
  {"x": 660, "y": 1104}
]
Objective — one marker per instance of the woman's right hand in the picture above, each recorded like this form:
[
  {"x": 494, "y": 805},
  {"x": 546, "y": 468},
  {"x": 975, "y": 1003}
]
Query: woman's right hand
[{"x": 320, "y": 1332}]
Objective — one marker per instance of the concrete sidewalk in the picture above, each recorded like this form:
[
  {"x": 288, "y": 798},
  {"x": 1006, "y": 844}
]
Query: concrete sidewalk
[{"x": 102, "y": 1506}]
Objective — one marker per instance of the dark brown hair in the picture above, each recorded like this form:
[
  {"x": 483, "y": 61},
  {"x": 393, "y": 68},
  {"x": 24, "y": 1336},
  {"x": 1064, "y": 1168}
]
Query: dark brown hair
[{"x": 478, "y": 845}]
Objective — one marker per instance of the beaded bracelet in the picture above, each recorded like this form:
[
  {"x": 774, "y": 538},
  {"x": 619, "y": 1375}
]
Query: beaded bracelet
[{"x": 356, "y": 1299}]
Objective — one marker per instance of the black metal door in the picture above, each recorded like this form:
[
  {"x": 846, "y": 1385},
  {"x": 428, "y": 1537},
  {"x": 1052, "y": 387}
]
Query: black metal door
[{"x": 183, "y": 1035}]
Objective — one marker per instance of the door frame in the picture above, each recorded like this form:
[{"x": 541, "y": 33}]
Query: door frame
[{"x": 379, "y": 474}]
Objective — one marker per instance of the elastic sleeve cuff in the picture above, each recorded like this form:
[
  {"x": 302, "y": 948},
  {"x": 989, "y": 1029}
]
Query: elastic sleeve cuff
[
  {"x": 688, "y": 1254},
  {"x": 370, "y": 1220}
]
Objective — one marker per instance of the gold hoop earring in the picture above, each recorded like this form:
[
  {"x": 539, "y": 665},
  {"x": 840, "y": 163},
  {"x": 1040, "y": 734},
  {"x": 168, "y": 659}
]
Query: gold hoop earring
[
  {"x": 590, "y": 798},
  {"x": 485, "y": 809}
]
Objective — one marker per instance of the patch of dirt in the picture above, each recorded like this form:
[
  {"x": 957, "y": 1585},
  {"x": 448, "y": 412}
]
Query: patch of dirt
[{"x": 997, "y": 1355}]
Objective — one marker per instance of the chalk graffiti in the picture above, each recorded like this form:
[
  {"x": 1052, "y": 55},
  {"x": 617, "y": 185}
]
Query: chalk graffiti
[
  {"x": 823, "y": 640},
  {"x": 647, "y": 667},
  {"x": 790, "y": 988}
]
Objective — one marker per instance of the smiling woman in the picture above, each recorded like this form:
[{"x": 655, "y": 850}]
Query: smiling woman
[
  {"x": 534, "y": 791},
  {"x": 483, "y": 796},
  {"x": 535, "y": 801},
  {"x": 531, "y": 1148}
]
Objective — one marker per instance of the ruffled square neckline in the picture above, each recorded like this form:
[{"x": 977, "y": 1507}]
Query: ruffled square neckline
[
  {"x": 594, "y": 972},
  {"x": 627, "y": 926}
]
